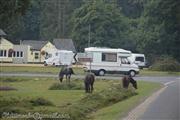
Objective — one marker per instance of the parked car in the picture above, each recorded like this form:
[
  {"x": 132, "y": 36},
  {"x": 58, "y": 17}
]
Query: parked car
[{"x": 138, "y": 59}]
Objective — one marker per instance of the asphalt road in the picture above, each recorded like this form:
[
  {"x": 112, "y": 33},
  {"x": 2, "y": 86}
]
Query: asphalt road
[{"x": 165, "y": 107}]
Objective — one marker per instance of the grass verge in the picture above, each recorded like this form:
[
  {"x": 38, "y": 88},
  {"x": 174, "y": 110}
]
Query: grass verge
[
  {"x": 77, "y": 70},
  {"x": 36, "y": 69},
  {"x": 120, "y": 109},
  {"x": 33, "y": 95},
  {"x": 146, "y": 72}
]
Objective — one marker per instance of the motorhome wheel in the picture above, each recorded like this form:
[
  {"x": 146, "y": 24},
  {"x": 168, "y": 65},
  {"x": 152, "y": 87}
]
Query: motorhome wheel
[
  {"x": 132, "y": 73},
  {"x": 101, "y": 72}
]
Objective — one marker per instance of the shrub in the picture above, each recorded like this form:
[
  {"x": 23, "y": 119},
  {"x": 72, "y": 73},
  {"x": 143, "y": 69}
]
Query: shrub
[
  {"x": 41, "y": 102},
  {"x": 166, "y": 64},
  {"x": 19, "y": 105},
  {"x": 98, "y": 100},
  {"x": 13, "y": 105},
  {"x": 13, "y": 79},
  {"x": 65, "y": 86}
]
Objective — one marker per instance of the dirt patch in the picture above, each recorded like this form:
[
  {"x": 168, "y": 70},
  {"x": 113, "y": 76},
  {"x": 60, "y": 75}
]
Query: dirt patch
[{"x": 6, "y": 88}]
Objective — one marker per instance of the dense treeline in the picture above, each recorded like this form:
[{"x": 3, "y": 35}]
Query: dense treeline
[{"x": 147, "y": 26}]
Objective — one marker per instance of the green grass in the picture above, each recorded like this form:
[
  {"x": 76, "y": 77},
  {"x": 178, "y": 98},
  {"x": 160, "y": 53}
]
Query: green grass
[
  {"x": 120, "y": 109},
  {"x": 39, "y": 87},
  {"x": 33, "y": 95},
  {"x": 77, "y": 70},
  {"x": 157, "y": 73},
  {"x": 38, "y": 69}
]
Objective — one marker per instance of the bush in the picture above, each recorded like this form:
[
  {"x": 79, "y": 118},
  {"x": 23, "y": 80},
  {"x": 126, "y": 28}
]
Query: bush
[
  {"x": 95, "y": 101},
  {"x": 19, "y": 105},
  {"x": 13, "y": 105},
  {"x": 65, "y": 86},
  {"x": 41, "y": 102},
  {"x": 166, "y": 64}
]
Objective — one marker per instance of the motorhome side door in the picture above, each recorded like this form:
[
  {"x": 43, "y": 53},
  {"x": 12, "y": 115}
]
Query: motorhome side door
[{"x": 124, "y": 64}]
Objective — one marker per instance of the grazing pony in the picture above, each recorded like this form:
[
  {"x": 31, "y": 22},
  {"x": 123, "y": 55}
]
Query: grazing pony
[
  {"x": 65, "y": 70},
  {"x": 128, "y": 79},
  {"x": 88, "y": 82}
]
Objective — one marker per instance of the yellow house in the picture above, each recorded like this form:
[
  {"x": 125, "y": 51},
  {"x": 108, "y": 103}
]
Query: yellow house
[
  {"x": 46, "y": 49},
  {"x": 6, "y": 50},
  {"x": 38, "y": 50}
]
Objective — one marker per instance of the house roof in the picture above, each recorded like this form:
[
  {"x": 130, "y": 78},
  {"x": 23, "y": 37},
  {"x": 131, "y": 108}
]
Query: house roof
[
  {"x": 64, "y": 44},
  {"x": 35, "y": 44},
  {"x": 2, "y": 33}
]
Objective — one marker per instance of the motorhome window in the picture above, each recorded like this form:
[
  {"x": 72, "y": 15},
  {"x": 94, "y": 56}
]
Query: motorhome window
[
  {"x": 124, "y": 60},
  {"x": 140, "y": 59},
  {"x": 109, "y": 57}
]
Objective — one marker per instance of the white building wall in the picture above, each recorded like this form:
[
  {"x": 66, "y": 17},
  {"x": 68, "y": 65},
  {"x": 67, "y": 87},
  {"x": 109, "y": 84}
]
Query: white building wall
[{"x": 5, "y": 46}]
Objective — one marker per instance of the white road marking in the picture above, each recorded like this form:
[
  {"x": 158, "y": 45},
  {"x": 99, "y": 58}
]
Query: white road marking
[
  {"x": 167, "y": 83},
  {"x": 140, "y": 109}
]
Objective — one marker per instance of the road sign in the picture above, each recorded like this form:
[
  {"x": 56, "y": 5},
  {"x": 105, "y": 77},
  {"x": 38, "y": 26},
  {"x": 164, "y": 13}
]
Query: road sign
[{"x": 85, "y": 57}]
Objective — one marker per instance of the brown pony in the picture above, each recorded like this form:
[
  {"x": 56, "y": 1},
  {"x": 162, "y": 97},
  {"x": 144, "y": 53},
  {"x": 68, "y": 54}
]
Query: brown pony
[
  {"x": 128, "y": 79},
  {"x": 89, "y": 82},
  {"x": 65, "y": 70}
]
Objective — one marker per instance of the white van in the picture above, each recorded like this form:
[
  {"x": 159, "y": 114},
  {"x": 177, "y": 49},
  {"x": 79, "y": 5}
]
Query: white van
[
  {"x": 107, "y": 60},
  {"x": 59, "y": 57},
  {"x": 138, "y": 59}
]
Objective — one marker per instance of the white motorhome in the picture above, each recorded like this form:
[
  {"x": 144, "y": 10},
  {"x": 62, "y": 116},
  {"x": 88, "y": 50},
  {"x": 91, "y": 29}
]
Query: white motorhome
[
  {"x": 138, "y": 59},
  {"x": 59, "y": 57},
  {"x": 107, "y": 60}
]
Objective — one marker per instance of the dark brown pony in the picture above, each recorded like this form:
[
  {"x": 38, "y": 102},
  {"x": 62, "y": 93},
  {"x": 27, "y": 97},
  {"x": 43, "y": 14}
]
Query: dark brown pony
[
  {"x": 67, "y": 71},
  {"x": 89, "y": 82},
  {"x": 128, "y": 79}
]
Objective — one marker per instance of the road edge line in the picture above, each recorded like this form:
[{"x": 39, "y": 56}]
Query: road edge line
[{"x": 140, "y": 109}]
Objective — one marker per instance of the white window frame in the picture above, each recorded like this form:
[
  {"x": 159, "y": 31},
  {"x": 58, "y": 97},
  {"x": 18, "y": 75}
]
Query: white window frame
[
  {"x": 3, "y": 54},
  {"x": 17, "y": 54}
]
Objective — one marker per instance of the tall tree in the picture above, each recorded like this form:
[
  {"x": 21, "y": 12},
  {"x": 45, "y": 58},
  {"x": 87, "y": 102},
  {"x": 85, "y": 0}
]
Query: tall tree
[
  {"x": 55, "y": 17},
  {"x": 11, "y": 12},
  {"x": 101, "y": 23},
  {"x": 158, "y": 31}
]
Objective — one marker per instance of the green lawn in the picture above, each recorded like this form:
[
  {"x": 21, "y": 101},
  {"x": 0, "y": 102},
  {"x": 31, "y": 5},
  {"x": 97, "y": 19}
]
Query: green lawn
[
  {"x": 157, "y": 73},
  {"x": 77, "y": 70},
  {"x": 32, "y": 88},
  {"x": 38, "y": 69}
]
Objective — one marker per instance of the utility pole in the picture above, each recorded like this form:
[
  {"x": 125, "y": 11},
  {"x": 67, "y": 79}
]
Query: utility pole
[
  {"x": 89, "y": 40},
  {"x": 61, "y": 18}
]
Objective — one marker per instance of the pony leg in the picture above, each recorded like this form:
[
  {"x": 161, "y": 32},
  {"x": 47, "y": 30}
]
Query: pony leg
[
  {"x": 125, "y": 82},
  {"x": 86, "y": 87},
  {"x": 92, "y": 88},
  {"x": 61, "y": 78},
  {"x": 69, "y": 77},
  {"x": 134, "y": 83},
  {"x": 89, "y": 90}
]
